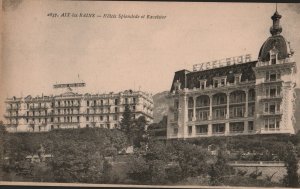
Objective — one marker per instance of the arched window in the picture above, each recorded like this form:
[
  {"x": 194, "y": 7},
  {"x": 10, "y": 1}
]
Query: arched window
[
  {"x": 190, "y": 102},
  {"x": 202, "y": 101}
]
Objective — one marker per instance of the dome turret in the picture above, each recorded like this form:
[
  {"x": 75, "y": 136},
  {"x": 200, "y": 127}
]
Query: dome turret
[{"x": 276, "y": 42}]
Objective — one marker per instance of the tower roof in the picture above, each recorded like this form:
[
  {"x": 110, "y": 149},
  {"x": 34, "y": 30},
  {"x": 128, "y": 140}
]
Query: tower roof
[{"x": 276, "y": 41}]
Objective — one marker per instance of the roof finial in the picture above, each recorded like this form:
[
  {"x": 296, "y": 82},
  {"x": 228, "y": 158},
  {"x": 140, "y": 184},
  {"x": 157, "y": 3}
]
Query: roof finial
[{"x": 276, "y": 29}]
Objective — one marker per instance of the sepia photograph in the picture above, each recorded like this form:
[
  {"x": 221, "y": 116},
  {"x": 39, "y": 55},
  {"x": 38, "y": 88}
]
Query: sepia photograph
[{"x": 149, "y": 94}]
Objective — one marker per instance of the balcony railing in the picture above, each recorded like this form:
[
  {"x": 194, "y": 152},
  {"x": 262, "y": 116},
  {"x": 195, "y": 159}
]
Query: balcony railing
[
  {"x": 219, "y": 104},
  {"x": 202, "y": 119},
  {"x": 268, "y": 63},
  {"x": 69, "y": 105},
  {"x": 218, "y": 133},
  {"x": 174, "y": 135},
  {"x": 101, "y": 105},
  {"x": 270, "y": 129},
  {"x": 211, "y": 87},
  {"x": 201, "y": 133},
  {"x": 12, "y": 125},
  {"x": 202, "y": 106},
  {"x": 219, "y": 117},
  {"x": 233, "y": 102},
  {"x": 38, "y": 107},
  {"x": 173, "y": 123},
  {"x": 272, "y": 113},
  {"x": 13, "y": 107},
  {"x": 235, "y": 132},
  {"x": 11, "y": 115},
  {"x": 271, "y": 96},
  {"x": 237, "y": 116}
]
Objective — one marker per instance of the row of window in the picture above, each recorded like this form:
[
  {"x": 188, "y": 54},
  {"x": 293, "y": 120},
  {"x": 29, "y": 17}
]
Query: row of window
[
  {"x": 14, "y": 106},
  {"x": 71, "y": 119},
  {"x": 219, "y": 99},
  {"x": 220, "y": 113},
  {"x": 77, "y": 103},
  {"x": 116, "y": 101},
  {"x": 39, "y": 128},
  {"x": 236, "y": 127},
  {"x": 70, "y": 111},
  {"x": 220, "y": 82}
]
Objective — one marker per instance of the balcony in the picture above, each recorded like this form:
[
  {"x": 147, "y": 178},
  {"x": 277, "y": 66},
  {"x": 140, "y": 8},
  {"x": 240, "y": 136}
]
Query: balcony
[
  {"x": 218, "y": 133},
  {"x": 272, "y": 113},
  {"x": 219, "y": 104},
  {"x": 278, "y": 62},
  {"x": 13, "y": 107},
  {"x": 205, "y": 106},
  {"x": 38, "y": 107},
  {"x": 270, "y": 129},
  {"x": 201, "y": 133},
  {"x": 173, "y": 135},
  {"x": 11, "y": 115},
  {"x": 198, "y": 119},
  {"x": 236, "y": 132},
  {"x": 271, "y": 97},
  {"x": 69, "y": 123},
  {"x": 90, "y": 112},
  {"x": 272, "y": 81},
  {"x": 173, "y": 123},
  {"x": 12, "y": 125},
  {"x": 237, "y": 116},
  {"x": 101, "y": 105},
  {"x": 219, "y": 117},
  {"x": 69, "y": 105}
]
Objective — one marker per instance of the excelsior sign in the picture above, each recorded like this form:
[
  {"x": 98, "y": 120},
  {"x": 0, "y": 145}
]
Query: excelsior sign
[{"x": 222, "y": 62}]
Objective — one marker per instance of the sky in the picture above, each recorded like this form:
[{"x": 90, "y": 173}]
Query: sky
[{"x": 112, "y": 54}]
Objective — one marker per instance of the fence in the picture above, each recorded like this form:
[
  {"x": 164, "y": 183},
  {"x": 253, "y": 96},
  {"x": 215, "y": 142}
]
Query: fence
[{"x": 275, "y": 170}]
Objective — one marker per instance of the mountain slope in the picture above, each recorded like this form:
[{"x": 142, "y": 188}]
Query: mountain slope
[{"x": 161, "y": 104}]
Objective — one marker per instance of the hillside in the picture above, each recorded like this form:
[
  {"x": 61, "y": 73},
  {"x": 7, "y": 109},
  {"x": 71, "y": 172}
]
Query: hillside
[{"x": 161, "y": 106}]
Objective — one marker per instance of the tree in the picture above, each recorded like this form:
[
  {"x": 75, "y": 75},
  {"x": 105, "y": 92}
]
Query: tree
[
  {"x": 291, "y": 164},
  {"x": 219, "y": 169},
  {"x": 192, "y": 159},
  {"x": 3, "y": 133},
  {"x": 138, "y": 169},
  {"x": 135, "y": 129},
  {"x": 126, "y": 123},
  {"x": 76, "y": 161},
  {"x": 139, "y": 131},
  {"x": 78, "y": 155},
  {"x": 158, "y": 129},
  {"x": 107, "y": 172}
]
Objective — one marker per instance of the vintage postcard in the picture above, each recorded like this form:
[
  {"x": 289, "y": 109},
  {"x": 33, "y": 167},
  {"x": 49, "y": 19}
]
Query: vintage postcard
[{"x": 149, "y": 94}]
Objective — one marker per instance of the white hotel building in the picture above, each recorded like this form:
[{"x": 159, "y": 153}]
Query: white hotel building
[
  {"x": 74, "y": 110},
  {"x": 237, "y": 96}
]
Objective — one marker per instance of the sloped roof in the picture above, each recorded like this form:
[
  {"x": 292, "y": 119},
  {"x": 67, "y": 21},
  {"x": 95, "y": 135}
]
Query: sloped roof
[
  {"x": 280, "y": 44},
  {"x": 192, "y": 78}
]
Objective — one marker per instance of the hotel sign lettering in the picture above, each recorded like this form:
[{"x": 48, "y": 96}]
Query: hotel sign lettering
[
  {"x": 68, "y": 85},
  {"x": 223, "y": 62}
]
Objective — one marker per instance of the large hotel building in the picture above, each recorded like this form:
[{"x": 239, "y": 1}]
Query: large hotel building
[
  {"x": 70, "y": 109},
  {"x": 236, "y": 96}
]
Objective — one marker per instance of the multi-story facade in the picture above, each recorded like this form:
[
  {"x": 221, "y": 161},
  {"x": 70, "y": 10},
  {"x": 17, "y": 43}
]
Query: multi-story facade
[
  {"x": 237, "y": 96},
  {"x": 74, "y": 110}
]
